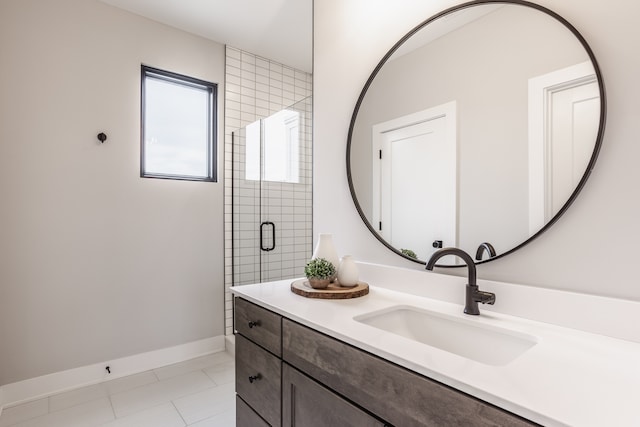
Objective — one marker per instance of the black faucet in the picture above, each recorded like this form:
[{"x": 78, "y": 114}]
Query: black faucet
[
  {"x": 485, "y": 247},
  {"x": 473, "y": 294}
]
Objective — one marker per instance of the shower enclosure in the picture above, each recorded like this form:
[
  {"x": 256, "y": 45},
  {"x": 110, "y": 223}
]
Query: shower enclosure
[{"x": 272, "y": 215}]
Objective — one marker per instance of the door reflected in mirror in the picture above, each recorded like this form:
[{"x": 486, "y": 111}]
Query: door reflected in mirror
[{"x": 479, "y": 129}]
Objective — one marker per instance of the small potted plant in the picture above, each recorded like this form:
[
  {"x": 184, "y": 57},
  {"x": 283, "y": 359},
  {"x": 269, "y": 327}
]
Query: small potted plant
[
  {"x": 409, "y": 253},
  {"x": 319, "y": 271}
]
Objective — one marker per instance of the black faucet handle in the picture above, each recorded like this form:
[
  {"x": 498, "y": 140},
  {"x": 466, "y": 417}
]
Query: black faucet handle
[{"x": 485, "y": 297}]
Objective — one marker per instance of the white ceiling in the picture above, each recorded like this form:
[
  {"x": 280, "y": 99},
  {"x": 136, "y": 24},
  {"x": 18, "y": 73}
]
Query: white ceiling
[{"x": 280, "y": 30}]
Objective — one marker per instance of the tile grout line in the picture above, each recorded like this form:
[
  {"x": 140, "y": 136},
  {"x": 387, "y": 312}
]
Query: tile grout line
[
  {"x": 132, "y": 414},
  {"x": 115, "y": 417},
  {"x": 216, "y": 385},
  {"x": 179, "y": 413}
]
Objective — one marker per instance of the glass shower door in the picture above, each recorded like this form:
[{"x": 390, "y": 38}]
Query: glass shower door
[{"x": 272, "y": 222}]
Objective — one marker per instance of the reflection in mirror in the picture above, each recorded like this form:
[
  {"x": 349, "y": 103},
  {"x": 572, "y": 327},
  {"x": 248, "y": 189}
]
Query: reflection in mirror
[{"x": 478, "y": 130}]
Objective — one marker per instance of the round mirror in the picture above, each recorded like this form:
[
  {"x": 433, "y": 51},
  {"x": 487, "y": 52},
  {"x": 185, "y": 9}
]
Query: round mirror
[{"x": 477, "y": 130}]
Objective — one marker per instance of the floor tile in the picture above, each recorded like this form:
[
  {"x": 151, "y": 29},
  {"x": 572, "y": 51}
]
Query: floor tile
[
  {"x": 205, "y": 404},
  {"x": 150, "y": 395},
  {"x": 23, "y": 412},
  {"x": 192, "y": 365},
  {"x": 225, "y": 419},
  {"x": 159, "y": 416},
  {"x": 76, "y": 397},
  {"x": 197, "y": 392},
  {"x": 90, "y": 414},
  {"x": 130, "y": 382},
  {"x": 223, "y": 373}
]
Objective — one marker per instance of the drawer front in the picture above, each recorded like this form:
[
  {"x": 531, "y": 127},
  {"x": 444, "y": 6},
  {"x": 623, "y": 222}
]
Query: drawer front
[
  {"x": 261, "y": 326},
  {"x": 305, "y": 403},
  {"x": 258, "y": 379},
  {"x": 247, "y": 417},
  {"x": 395, "y": 394}
]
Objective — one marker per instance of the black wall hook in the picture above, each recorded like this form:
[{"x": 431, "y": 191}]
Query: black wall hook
[{"x": 102, "y": 137}]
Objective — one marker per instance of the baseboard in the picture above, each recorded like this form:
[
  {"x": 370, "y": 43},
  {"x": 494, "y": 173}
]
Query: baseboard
[
  {"x": 35, "y": 388},
  {"x": 230, "y": 344}
]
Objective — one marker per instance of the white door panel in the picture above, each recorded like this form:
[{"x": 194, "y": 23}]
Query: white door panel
[
  {"x": 418, "y": 159},
  {"x": 575, "y": 110},
  {"x": 564, "y": 110}
]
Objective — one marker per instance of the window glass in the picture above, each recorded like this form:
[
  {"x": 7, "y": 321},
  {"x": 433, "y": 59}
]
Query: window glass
[
  {"x": 178, "y": 126},
  {"x": 279, "y": 138}
]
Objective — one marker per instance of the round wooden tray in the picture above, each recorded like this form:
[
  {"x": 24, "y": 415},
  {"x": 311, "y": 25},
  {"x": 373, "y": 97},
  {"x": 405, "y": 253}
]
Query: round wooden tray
[{"x": 333, "y": 291}]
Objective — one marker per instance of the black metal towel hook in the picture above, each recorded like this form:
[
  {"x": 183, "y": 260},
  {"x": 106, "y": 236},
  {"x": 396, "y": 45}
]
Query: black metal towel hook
[{"x": 102, "y": 137}]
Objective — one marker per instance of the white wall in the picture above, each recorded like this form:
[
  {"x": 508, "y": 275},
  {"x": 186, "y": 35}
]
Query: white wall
[
  {"x": 97, "y": 263},
  {"x": 593, "y": 246}
]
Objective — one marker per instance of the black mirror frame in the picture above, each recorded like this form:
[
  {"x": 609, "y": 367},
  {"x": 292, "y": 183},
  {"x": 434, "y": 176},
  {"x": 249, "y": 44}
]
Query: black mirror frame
[{"x": 588, "y": 170}]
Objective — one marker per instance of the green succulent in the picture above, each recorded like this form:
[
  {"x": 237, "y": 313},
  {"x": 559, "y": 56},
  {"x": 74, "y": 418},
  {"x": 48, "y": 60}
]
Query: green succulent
[
  {"x": 319, "y": 268},
  {"x": 409, "y": 253}
]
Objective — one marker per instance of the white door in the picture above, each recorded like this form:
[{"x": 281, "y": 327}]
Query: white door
[
  {"x": 416, "y": 202},
  {"x": 564, "y": 112},
  {"x": 574, "y": 119}
]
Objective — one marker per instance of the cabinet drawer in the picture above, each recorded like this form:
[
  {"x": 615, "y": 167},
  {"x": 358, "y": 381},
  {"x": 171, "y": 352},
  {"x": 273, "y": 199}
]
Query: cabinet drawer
[
  {"x": 258, "y": 379},
  {"x": 305, "y": 403},
  {"x": 261, "y": 326},
  {"x": 393, "y": 393},
  {"x": 247, "y": 417}
]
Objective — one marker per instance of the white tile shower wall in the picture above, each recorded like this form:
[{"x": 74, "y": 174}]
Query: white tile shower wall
[
  {"x": 256, "y": 88},
  {"x": 288, "y": 205}
]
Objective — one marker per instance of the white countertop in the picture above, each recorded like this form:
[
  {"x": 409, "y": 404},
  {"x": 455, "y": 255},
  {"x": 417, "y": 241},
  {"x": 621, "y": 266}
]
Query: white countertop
[{"x": 569, "y": 378}]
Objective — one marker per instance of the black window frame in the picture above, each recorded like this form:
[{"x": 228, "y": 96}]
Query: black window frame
[{"x": 212, "y": 109}]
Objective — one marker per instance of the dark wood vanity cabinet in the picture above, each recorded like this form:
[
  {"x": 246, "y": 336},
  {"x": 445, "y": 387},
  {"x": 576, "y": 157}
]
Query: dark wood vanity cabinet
[
  {"x": 258, "y": 379},
  {"x": 246, "y": 416},
  {"x": 258, "y": 365},
  {"x": 397, "y": 395},
  {"x": 322, "y": 381},
  {"x": 261, "y": 326},
  {"x": 306, "y": 403}
]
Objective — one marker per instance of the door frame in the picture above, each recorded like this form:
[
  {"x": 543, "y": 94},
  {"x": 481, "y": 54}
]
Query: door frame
[
  {"x": 541, "y": 90},
  {"x": 449, "y": 112}
]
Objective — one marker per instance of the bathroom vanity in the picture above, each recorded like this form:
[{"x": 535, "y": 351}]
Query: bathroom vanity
[
  {"x": 405, "y": 354},
  {"x": 302, "y": 379},
  {"x": 313, "y": 362}
]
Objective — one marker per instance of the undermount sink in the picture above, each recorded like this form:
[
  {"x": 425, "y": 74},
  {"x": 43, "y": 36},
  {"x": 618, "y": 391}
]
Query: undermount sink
[{"x": 484, "y": 343}]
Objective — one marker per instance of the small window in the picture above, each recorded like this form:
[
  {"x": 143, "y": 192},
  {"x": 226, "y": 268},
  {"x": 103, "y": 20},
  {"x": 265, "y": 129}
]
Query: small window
[
  {"x": 178, "y": 135},
  {"x": 273, "y": 148}
]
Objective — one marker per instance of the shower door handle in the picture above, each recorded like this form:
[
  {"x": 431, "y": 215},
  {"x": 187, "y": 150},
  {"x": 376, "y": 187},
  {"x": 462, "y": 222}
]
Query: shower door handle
[{"x": 273, "y": 236}]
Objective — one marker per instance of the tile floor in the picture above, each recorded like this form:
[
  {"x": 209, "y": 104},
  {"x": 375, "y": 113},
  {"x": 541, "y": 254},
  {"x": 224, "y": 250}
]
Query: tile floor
[{"x": 197, "y": 393}]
